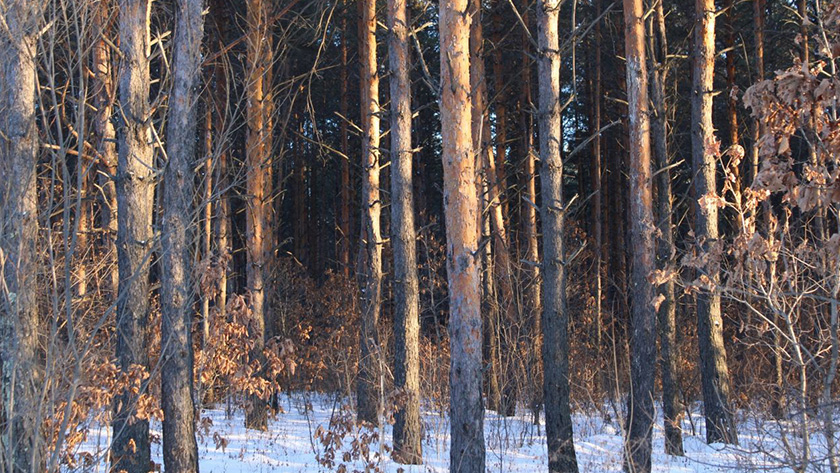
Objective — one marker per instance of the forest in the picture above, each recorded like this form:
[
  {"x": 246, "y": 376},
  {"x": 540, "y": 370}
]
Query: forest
[{"x": 442, "y": 229}]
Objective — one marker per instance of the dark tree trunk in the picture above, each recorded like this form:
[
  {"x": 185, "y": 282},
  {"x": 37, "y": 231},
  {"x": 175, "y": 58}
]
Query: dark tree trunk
[
  {"x": 180, "y": 451},
  {"x": 555, "y": 316},
  {"x": 130, "y": 449},
  {"x": 640, "y": 412},
  {"x": 22, "y": 448},
  {"x": 665, "y": 253},
  {"x": 720, "y": 424},
  {"x": 408, "y": 431}
]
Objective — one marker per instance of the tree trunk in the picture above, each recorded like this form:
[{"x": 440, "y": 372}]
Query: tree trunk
[
  {"x": 597, "y": 198},
  {"x": 720, "y": 425},
  {"x": 665, "y": 252},
  {"x": 370, "y": 281},
  {"x": 257, "y": 150},
  {"x": 408, "y": 432},
  {"x": 130, "y": 449},
  {"x": 555, "y": 316},
  {"x": 180, "y": 451},
  {"x": 220, "y": 96},
  {"x": 640, "y": 410},
  {"x": 732, "y": 100},
  {"x": 461, "y": 212},
  {"x": 103, "y": 100},
  {"x": 344, "y": 214},
  {"x": 22, "y": 448}
]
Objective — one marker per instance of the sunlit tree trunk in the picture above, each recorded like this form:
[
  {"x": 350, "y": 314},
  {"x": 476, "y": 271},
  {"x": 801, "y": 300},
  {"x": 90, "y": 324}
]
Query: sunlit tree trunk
[
  {"x": 408, "y": 431},
  {"x": 461, "y": 212},
  {"x": 258, "y": 184},
  {"x": 665, "y": 253},
  {"x": 555, "y": 316},
  {"x": 180, "y": 451},
  {"x": 19, "y": 376},
  {"x": 720, "y": 425},
  {"x": 130, "y": 449},
  {"x": 368, "y": 392},
  {"x": 344, "y": 213}
]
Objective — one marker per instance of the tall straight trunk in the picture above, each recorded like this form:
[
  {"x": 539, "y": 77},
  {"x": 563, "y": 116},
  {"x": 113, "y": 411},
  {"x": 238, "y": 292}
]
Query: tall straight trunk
[
  {"x": 408, "y": 432},
  {"x": 461, "y": 214},
  {"x": 258, "y": 182},
  {"x": 220, "y": 97},
  {"x": 555, "y": 315},
  {"x": 597, "y": 171},
  {"x": 180, "y": 451},
  {"x": 720, "y": 425},
  {"x": 500, "y": 267},
  {"x": 130, "y": 449},
  {"x": 81, "y": 250},
  {"x": 344, "y": 213},
  {"x": 370, "y": 245},
  {"x": 665, "y": 253},
  {"x": 103, "y": 100},
  {"x": 732, "y": 100},
  {"x": 207, "y": 207},
  {"x": 640, "y": 411},
  {"x": 500, "y": 92},
  {"x": 758, "y": 126},
  {"x": 22, "y": 448}
]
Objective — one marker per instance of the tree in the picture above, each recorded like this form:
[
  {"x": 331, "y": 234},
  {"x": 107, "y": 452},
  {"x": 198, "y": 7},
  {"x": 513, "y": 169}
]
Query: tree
[
  {"x": 408, "y": 431},
  {"x": 720, "y": 425},
  {"x": 258, "y": 163},
  {"x": 21, "y": 446},
  {"x": 130, "y": 449},
  {"x": 370, "y": 245},
  {"x": 643, "y": 340},
  {"x": 665, "y": 251},
  {"x": 555, "y": 317},
  {"x": 462, "y": 261},
  {"x": 180, "y": 451}
]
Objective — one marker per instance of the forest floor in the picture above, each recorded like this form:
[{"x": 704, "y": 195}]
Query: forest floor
[{"x": 291, "y": 443}]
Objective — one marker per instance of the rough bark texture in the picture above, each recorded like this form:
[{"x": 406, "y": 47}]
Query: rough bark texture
[
  {"x": 500, "y": 266},
  {"x": 408, "y": 432},
  {"x": 597, "y": 170},
  {"x": 720, "y": 426},
  {"x": 180, "y": 451},
  {"x": 461, "y": 209},
  {"x": 21, "y": 447},
  {"x": 640, "y": 412},
  {"x": 106, "y": 146},
  {"x": 130, "y": 450},
  {"x": 555, "y": 316},
  {"x": 368, "y": 395},
  {"x": 344, "y": 213},
  {"x": 257, "y": 150},
  {"x": 220, "y": 95},
  {"x": 665, "y": 253}
]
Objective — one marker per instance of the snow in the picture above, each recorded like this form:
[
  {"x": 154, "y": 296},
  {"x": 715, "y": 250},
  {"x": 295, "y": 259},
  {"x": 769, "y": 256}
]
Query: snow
[{"x": 513, "y": 444}]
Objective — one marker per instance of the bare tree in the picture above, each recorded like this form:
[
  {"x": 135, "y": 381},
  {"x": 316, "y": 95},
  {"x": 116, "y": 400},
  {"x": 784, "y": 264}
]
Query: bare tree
[
  {"x": 21, "y": 448},
  {"x": 370, "y": 245},
  {"x": 461, "y": 211},
  {"x": 130, "y": 449},
  {"x": 180, "y": 451},
  {"x": 665, "y": 252},
  {"x": 555, "y": 317},
  {"x": 258, "y": 152},
  {"x": 408, "y": 432},
  {"x": 720, "y": 426}
]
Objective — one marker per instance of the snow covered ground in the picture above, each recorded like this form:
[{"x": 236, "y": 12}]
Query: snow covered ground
[{"x": 513, "y": 444}]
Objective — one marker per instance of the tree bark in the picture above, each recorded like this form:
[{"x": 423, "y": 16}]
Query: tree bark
[
  {"x": 103, "y": 100},
  {"x": 130, "y": 449},
  {"x": 640, "y": 411},
  {"x": 461, "y": 212},
  {"x": 665, "y": 252},
  {"x": 22, "y": 447},
  {"x": 344, "y": 214},
  {"x": 720, "y": 425},
  {"x": 258, "y": 184},
  {"x": 555, "y": 316},
  {"x": 408, "y": 432},
  {"x": 180, "y": 451},
  {"x": 370, "y": 281},
  {"x": 597, "y": 198}
]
